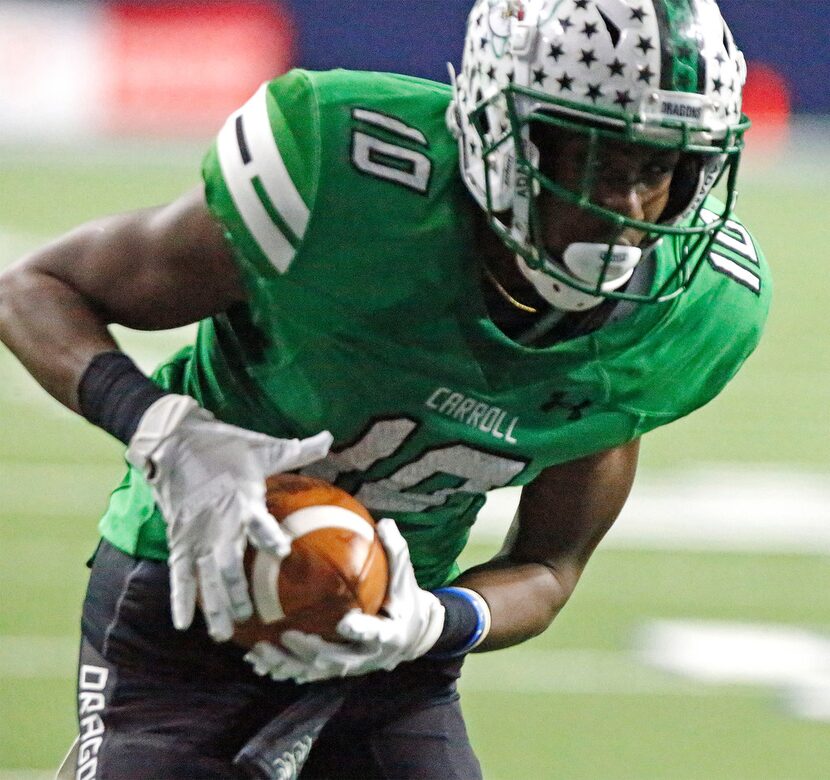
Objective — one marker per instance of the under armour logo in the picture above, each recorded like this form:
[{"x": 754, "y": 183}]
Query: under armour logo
[{"x": 559, "y": 401}]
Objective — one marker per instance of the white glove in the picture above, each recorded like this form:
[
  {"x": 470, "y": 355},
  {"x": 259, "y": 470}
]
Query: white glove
[
  {"x": 409, "y": 626},
  {"x": 208, "y": 479}
]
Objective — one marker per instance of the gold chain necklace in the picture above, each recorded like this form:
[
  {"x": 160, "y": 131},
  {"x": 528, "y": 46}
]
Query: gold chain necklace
[{"x": 506, "y": 295}]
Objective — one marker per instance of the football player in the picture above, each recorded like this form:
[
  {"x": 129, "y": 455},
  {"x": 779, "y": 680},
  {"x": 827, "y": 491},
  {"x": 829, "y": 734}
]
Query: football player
[{"x": 420, "y": 293}]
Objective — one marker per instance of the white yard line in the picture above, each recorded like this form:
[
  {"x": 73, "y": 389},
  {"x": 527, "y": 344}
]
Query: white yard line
[
  {"x": 727, "y": 507},
  {"x": 791, "y": 661}
]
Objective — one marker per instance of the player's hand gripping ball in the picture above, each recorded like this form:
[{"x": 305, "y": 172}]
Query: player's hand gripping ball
[{"x": 336, "y": 563}]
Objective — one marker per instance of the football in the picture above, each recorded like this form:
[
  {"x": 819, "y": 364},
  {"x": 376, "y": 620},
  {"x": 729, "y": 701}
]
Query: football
[{"x": 336, "y": 563}]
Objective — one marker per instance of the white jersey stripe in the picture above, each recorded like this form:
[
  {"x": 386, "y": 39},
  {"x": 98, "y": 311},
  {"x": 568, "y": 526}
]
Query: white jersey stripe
[
  {"x": 269, "y": 165},
  {"x": 238, "y": 177},
  {"x": 314, "y": 518}
]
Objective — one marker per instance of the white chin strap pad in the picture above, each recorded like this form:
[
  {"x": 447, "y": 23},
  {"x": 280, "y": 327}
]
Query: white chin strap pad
[{"x": 586, "y": 263}]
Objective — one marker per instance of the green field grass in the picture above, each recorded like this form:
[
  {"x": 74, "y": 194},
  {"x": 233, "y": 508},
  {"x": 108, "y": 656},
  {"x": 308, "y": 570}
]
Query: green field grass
[{"x": 574, "y": 703}]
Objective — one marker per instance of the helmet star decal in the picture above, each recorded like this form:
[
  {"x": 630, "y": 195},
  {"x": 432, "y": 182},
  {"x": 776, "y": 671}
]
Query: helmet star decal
[
  {"x": 645, "y": 45},
  {"x": 588, "y": 57},
  {"x": 594, "y": 92},
  {"x": 565, "y": 83},
  {"x": 616, "y": 67},
  {"x": 646, "y": 74}
]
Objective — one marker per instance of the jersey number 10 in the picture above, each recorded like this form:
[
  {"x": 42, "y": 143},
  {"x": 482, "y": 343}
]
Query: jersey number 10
[{"x": 388, "y": 159}]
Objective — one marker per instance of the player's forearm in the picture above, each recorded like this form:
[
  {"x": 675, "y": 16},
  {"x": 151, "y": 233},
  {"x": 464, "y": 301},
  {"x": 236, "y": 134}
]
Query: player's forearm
[
  {"x": 523, "y": 598},
  {"x": 545, "y": 552},
  {"x": 150, "y": 269},
  {"x": 51, "y": 328}
]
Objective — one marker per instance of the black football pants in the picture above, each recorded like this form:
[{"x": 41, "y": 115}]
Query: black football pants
[{"x": 159, "y": 704}]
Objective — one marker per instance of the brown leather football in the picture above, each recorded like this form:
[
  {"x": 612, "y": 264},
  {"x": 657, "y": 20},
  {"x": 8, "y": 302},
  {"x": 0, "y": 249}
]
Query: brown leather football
[{"x": 337, "y": 563}]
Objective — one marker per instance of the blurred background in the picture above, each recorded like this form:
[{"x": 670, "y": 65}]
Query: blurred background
[{"x": 698, "y": 643}]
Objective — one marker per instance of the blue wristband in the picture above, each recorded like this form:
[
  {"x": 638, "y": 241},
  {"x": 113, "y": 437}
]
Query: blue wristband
[{"x": 466, "y": 624}]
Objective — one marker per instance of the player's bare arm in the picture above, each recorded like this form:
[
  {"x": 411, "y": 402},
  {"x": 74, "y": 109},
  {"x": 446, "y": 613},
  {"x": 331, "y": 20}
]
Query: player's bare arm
[
  {"x": 151, "y": 269},
  {"x": 562, "y": 517},
  {"x": 155, "y": 269}
]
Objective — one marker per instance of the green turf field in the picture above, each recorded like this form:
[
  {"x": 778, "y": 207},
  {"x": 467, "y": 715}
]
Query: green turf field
[{"x": 578, "y": 702}]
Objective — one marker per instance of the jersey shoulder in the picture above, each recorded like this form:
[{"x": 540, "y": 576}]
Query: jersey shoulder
[
  {"x": 293, "y": 153},
  {"x": 735, "y": 255},
  {"x": 673, "y": 358},
  {"x": 733, "y": 287}
]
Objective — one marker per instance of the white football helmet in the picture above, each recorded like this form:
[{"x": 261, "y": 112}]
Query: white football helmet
[{"x": 662, "y": 73}]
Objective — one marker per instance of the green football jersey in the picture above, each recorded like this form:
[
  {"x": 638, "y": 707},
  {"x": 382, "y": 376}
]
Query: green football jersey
[{"x": 341, "y": 196}]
